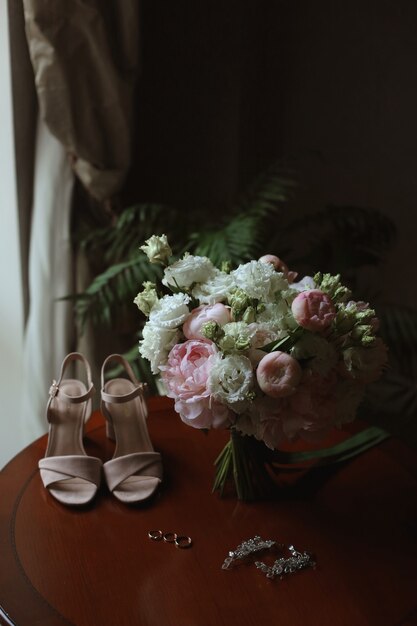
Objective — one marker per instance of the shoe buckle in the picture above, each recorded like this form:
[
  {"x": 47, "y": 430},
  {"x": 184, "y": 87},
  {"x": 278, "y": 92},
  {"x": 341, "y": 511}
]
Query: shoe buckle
[{"x": 53, "y": 390}]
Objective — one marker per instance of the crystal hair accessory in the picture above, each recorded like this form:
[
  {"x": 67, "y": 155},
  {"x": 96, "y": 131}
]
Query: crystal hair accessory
[
  {"x": 248, "y": 547},
  {"x": 283, "y": 566}
]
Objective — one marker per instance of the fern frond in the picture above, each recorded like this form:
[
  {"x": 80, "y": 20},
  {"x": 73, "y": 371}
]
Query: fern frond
[
  {"x": 134, "y": 225},
  {"x": 241, "y": 235},
  {"x": 113, "y": 289},
  {"x": 348, "y": 236},
  {"x": 267, "y": 193}
]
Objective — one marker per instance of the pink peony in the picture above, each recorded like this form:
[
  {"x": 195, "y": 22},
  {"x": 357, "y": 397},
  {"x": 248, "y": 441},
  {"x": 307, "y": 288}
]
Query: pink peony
[
  {"x": 185, "y": 376},
  {"x": 202, "y": 314},
  {"x": 313, "y": 310},
  {"x": 278, "y": 374},
  {"x": 279, "y": 266}
]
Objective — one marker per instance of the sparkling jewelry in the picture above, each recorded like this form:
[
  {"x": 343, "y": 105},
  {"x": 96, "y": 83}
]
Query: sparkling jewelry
[
  {"x": 246, "y": 548},
  {"x": 180, "y": 541},
  {"x": 183, "y": 542},
  {"x": 282, "y": 566},
  {"x": 155, "y": 535},
  {"x": 53, "y": 389}
]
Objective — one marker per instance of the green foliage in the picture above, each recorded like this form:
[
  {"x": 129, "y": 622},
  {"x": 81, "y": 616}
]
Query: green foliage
[
  {"x": 240, "y": 236},
  {"x": 339, "y": 239}
]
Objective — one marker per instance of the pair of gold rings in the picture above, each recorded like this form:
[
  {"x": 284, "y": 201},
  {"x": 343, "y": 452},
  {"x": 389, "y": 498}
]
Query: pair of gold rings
[{"x": 180, "y": 541}]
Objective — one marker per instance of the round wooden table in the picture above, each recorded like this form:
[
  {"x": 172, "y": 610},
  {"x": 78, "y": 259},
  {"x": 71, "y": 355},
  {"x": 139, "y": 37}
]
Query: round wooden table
[{"x": 97, "y": 566}]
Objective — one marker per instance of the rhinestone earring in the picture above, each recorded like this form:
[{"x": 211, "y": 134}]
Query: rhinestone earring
[
  {"x": 248, "y": 547},
  {"x": 284, "y": 566}
]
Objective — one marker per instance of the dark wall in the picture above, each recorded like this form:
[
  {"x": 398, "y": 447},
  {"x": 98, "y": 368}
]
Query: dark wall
[
  {"x": 350, "y": 121},
  {"x": 210, "y": 99},
  {"x": 331, "y": 86}
]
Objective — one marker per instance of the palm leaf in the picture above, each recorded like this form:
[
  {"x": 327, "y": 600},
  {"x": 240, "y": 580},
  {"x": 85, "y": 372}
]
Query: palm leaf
[
  {"x": 113, "y": 289},
  {"x": 135, "y": 224},
  {"x": 241, "y": 234},
  {"x": 343, "y": 237}
]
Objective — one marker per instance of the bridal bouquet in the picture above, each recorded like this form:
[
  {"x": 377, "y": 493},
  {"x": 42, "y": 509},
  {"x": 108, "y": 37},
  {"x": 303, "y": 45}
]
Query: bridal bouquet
[{"x": 253, "y": 350}]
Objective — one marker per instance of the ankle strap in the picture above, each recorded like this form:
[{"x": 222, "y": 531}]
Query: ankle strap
[
  {"x": 55, "y": 390},
  {"x": 116, "y": 399},
  {"x": 119, "y": 399},
  {"x": 120, "y": 359}
]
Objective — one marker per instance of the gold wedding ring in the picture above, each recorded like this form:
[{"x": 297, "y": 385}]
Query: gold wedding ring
[
  {"x": 155, "y": 535},
  {"x": 180, "y": 541},
  {"x": 183, "y": 542}
]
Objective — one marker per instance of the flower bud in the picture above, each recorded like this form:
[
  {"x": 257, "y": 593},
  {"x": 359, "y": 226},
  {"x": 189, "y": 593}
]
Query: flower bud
[
  {"x": 157, "y": 249},
  {"x": 239, "y": 301},
  {"x": 146, "y": 299},
  {"x": 211, "y": 330},
  {"x": 313, "y": 310},
  {"x": 278, "y": 374}
]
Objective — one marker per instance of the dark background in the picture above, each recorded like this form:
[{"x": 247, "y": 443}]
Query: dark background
[{"x": 329, "y": 87}]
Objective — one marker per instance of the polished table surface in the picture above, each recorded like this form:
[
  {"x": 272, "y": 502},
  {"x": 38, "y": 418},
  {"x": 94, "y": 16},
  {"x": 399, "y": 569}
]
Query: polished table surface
[{"x": 96, "y": 565}]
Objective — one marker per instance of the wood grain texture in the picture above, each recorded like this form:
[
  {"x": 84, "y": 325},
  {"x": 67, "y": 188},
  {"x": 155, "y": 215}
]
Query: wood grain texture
[{"x": 97, "y": 566}]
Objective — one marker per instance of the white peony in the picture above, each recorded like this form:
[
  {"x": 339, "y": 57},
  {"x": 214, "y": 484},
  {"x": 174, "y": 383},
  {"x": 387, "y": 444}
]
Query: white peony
[
  {"x": 230, "y": 381},
  {"x": 215, "y": 289},
  {"x": 156, "y": 344},
  {"x": 322, "y": 354},
  {"x": 259, "y": 280},
  {"x": 170, "y": 311},
  {"x": 188, "y": 270}
]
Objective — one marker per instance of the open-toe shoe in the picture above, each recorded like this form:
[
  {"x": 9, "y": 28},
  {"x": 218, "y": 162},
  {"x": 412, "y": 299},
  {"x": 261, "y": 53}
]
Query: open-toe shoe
[
  {"x": 135, "y": 471},
  {"x": 70, "y": 476}
]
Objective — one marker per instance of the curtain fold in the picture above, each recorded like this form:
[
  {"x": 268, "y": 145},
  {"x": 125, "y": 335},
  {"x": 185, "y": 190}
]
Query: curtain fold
[
  {"x": 85, "y": 60},
  {"x": 49, "y": 328},
  {"x": 78, "y": 59}
]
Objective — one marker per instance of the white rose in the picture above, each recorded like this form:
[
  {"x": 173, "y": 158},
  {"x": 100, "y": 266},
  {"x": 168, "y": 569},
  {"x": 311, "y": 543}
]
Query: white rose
[
  {"x": 230, "y": 381},
  {"x": 170, "y": 311},
  {"x": 156, "y": 344},
  {"x": 216, "y": 289},
  {"x": 191, "y": 269},
  {"x": 259, "y": 280},
  {"x": 322, "y": 354}
]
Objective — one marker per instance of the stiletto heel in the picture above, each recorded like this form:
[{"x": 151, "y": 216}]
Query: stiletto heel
[
  {"x": 135, "y": 471},
  {"x": 70, "y": 476}
]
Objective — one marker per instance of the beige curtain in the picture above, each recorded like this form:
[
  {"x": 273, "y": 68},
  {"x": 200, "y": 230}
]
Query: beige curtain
[
  {"x": 85, "y": 59},
  {"x": 74, "y": 68}
]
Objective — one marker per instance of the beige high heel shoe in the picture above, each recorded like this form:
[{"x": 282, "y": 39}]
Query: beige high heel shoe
[
  {"x": 135, "y": 471},
  {"x": 70, "y": 476}
]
